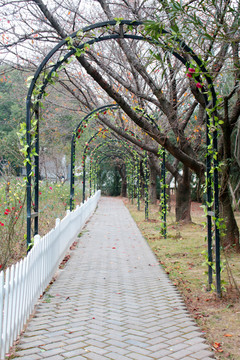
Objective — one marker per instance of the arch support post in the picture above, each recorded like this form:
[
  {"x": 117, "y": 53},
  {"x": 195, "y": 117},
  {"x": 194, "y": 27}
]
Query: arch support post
[
  {"x": 90, "y": 178},
  {"x": 146, "y": 195},
  {"x": 32, "y": 170},
  {"x": 84, "y": 178},
  {"x": 28, "y": 170},
  {"x": 37, "y": 174},
  {"x": 73, "y": 150},
  {"x": 216, "y": 209},
  {"x": 138, "y": 185},
  {"x": 163, "y": 195},
  {"x": 209, "y": 208},
  {"x": 213, "y": 205}
]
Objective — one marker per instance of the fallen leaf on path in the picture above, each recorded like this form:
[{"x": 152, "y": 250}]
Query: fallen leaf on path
[{"x": 217, "y": 347}]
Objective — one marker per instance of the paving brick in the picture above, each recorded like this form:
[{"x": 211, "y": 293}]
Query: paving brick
[
  {"x": 95, "y": 343},
  {"x": 115, "y": 356},
  {"x": 51, "y": 353},
  {"x": 137, "y": 356},
  {"x": 94, "y": 356},
  {"x": 74, "y": 346},
  {"x": 137, "y": 343},
  {"x": 198, "y": 347},
  {"x": 158, "y": 346},
  {"x": 31, "y": 343},
  {"x": 54, "y": 345},
  {"x": 161, "y": 353},
  {"x": 28, "y": 352},
  {"x": 30, "y": 357},
  {"x": 138, "y": 350},
  {"x": 203, "y": 354},
  {"x": 117, "y": 343},
  {"x": 117, "y": 350},
  {"x": 76, "y": 352},
  {"x": 96, "y": 350},
  {"x": 180, "y": 354}
]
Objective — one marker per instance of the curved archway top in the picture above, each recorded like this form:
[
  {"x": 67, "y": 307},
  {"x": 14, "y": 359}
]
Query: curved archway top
[
  {"x": 116, "y": 153},
  {"x": 110, "y": 156},
  {"x": 93, "y": 114},
  {"x": 72, "y": 48},
  {"x": 102, "y": 131},
  {"x": 112, "y": 141},
  {"x": 103, "y": 110}
]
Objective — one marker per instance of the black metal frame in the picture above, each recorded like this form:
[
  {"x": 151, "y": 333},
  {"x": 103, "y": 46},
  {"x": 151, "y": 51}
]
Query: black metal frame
[
  {"x": 85, "y": 120},
  {"x": 118, "y": 153},
  {"x": 75, "y": 135},
  {"x": 34, "y": 109}
]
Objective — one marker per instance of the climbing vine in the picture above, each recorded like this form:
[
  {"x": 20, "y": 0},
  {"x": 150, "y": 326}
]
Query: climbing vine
[{"x": 163, "y": 193}]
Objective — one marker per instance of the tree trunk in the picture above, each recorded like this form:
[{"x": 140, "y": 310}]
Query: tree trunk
[
  {"x": 122, "y": 173},
  {"x": 169, "y": 179},
  {"x": 124, "y": 189},
  {"x": 231, "y": 237},
  {"x": 183, "y": 197}
]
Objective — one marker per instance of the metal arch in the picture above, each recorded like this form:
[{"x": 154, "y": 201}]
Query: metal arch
[
  {"x": 113, "y": 141},
  {"x": 111, "y": 156},
  {"x": 73, "y": 143},
  {"x": 163, "y": 179},
  {"x": 204, "y": 73},
  {"x": 114, "y": 154},
  {"x": 119, "y": 155},
  {"x": 105, "y": 157},
  {"x": 108, "y": 143},
  {"x": 86, "y": 119},
  {"x": 101, "y": 109},
  {"x": 136, "y": 159},
  {"x": 84, "y": 158},
  {"x": 135, "y": 156}
]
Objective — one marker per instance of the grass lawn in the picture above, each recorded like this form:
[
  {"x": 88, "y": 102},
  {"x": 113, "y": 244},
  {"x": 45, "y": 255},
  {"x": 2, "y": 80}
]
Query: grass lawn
[{"x": 182, "y": 254}]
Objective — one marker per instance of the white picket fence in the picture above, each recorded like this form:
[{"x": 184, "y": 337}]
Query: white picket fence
[{"x": 24, "y": 282}]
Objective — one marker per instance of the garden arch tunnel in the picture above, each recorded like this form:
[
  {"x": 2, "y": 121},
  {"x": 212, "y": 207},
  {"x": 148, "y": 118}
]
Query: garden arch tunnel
[
  {"x": 126, "y": 29},
  {"x": 122, "y": 148},
  {"x": 117, "y": 158},
  {"x": 107, "y": 156},
  {"x": 79, "y": 130}
]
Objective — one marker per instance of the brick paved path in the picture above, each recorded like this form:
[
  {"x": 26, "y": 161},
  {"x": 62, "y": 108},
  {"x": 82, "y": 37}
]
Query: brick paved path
[{"x": 112, "y": 301}]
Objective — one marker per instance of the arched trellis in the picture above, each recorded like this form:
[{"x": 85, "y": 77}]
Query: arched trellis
[
  {"x": 129, "y": 151},
  {"x": 75, "y": 135},
  {"x": 38, "y": 91},
  {"x": 93, "y": 137},
  {"x": 145, "y": 171},
  {"x": 79, "y": 129},
  {"x": 133, "y": 161},
  {"x": 113, "y": 155},
  {"x": 163, "y": 181}
]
